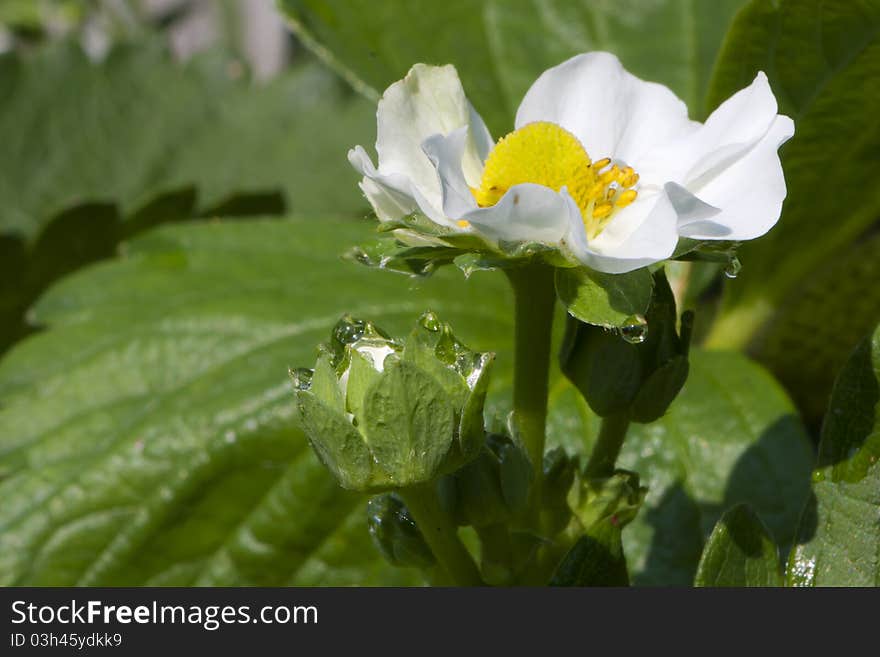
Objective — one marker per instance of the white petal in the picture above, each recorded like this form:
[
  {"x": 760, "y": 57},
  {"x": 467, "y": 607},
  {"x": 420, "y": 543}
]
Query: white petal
[
  {"x": 692, "y": 211},
  {"x": 482, "y": 144},
  {"x": 428, "y": 101},
  {"x": 612, "y": 112},
  {"x": 749, "y": 192},
  {"x": 729, "y": 132},
  {"x": 637, "y": 236},
  {"x": 445, "y": 153},
  {"x": 392, "y": 195},
  {"x": 528, "y": 213}
]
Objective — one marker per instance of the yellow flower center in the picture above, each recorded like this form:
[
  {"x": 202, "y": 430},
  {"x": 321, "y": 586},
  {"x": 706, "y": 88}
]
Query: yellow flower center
[{"x": 546, "y": 154}]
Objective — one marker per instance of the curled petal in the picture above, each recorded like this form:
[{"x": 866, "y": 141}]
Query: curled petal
[
  {"x": 639, "y": 235},
  {"x": 392, "y": 195},
  {"x": 748, "y": 195},
  {"x": 446, "y": 152},
  {"x": 428, "y": 101},
  {"x": 528, "y": 213},
  {"x": 706, "y": 151}
]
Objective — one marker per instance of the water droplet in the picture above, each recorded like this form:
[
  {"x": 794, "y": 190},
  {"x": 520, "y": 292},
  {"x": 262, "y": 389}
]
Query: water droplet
[
  {"x": 376, "y": 352},
  {"x": 634, "y": 330},
  {"x": 470, "y": 365},
  {"x": 818, "y": 476},
  {"x": 348, "y": 330},
  {"x": 733, "y": 268},
  {"x": 361, "y": 257},
  {"x": 302, "y": 378},
  {"x": 430, "y": 322}
]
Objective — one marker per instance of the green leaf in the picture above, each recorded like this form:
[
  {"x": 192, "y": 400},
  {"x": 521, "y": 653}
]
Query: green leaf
[
  {"x": 823, "y": 63},
  {"x": 740, "y": 552},
  {"x": 839, "y": 536},
  {"x": 731, "y": 436},
  {"x": 805, "y": 354},
  {"x": 149, "y": 436},
  {"x": 500, "y": 48},
  {"x": 604, "y": 299},
  {"x": 139, "y": 140},
  {"x": 140, "y": 125}
]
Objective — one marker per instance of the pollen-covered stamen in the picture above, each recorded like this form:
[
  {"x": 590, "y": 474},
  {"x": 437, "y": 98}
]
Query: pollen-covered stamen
[{"x": 546, "y": 154}]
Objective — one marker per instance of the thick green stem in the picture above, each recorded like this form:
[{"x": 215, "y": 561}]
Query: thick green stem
[
  {"x": 607, "y": 447},
  {"x": 441, "y": 535},
  {"x": 534, "y": 303}
]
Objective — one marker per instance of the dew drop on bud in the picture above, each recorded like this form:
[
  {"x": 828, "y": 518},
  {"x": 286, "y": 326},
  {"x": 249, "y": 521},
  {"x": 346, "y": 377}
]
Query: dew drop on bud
[
  {"x": 302, "y": 378},
  {"x": 348, "y": 330},
  {"x": 362, "y": 257},
  {"x": 635, "y": 330},
  {"x": 733, "y": 268},
  {"x": 469, "y": 365},
  {"x": 429, "y": 322}
]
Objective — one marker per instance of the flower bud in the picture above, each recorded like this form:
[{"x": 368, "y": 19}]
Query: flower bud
[
  {"x": 383, "y": 414},
  {"x": 617, "y": 497},
  {"x": 617, "y": 373}
]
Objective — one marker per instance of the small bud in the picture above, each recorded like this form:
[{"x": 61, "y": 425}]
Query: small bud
[
  {"x": 617, "y": 498},
  {"x": 382, "y": 414},
  {"x": 639, "y": 378}
]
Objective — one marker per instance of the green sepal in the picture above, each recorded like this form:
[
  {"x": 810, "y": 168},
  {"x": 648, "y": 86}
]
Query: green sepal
[
  {"x": 659, "y": 390},
  {"x": 325, "y": 385},
  {"x": 362, "y": 375},
  {"x": 605, "y": 368},
  {"x": 463, "y": 374},
  {"x": 516, "y": 473},
  {"x": 608, "y": 300},
  {"x": 493, "y": 487},
  {"x": 617, "y": 373},
  {"x": 596, "y": 559},
  {"x": 339, "y": 446},
  {"x": 408, "y": 423},
  {"x": 392, "y": 255},
  {"x": 395, "y": 533},
  {"x": 470, "y": 427},
  {"x": 560, "y": 473},
  {"x": 434, "y": 350}
]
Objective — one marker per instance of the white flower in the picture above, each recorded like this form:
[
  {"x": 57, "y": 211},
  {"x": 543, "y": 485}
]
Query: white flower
[{"x": 603, "y": 165}]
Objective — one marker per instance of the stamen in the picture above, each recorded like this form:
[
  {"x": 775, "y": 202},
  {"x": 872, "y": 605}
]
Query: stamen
[
  {"x": 602, "y": 210},
  {"x": 546, "y": 154},
  {"x": 626, "y": 198}
]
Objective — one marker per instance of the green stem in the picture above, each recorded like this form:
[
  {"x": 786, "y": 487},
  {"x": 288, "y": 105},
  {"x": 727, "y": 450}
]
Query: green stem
[
  {"x": 607, "y": 447},
  {"x": 534, "y": 303},
  {"x": 441, "y": 535}
]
